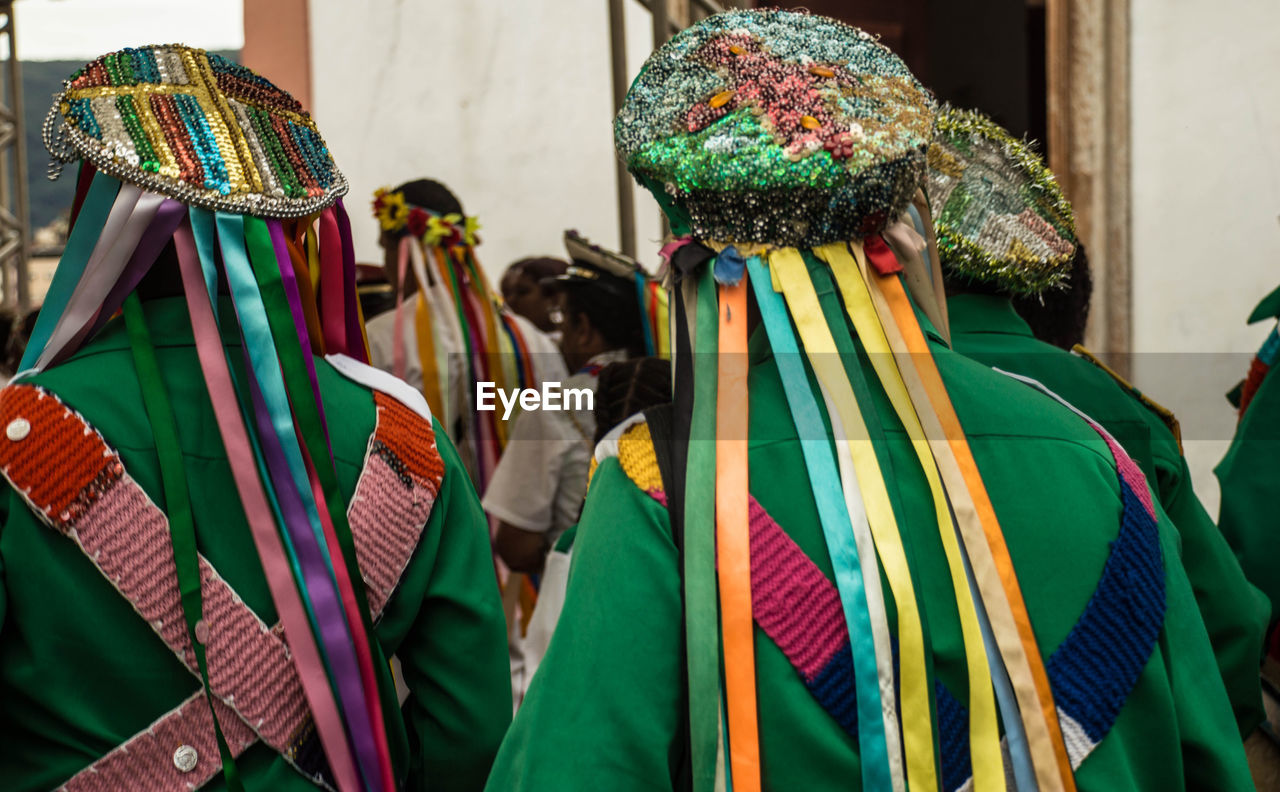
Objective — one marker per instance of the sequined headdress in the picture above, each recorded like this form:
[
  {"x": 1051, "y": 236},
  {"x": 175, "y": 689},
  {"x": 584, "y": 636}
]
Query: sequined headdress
[
  {"x": 786, "y": 150},
  {"x": 999, "y": 214},
  {"x": 181, "y": 147},
  {"x": 456, "y": 316}
]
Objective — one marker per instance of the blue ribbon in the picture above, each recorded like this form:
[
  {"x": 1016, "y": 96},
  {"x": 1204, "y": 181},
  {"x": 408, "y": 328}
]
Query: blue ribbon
[
  {"x": 730, "y": 266},
  {"x": 837, "y": 527}
]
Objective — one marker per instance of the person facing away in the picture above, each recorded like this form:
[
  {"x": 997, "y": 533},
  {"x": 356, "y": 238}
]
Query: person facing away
[
  {"x": 537, "y": 490},
  {"x": 877, "y": 539},
  {"x": 218, "y": 525},
  {"x": 1247, "y": 476},
  {"x": 1036, "y": 254},
  {"x": 524, "y": 294},
  {"x": 447, "y": 333}
]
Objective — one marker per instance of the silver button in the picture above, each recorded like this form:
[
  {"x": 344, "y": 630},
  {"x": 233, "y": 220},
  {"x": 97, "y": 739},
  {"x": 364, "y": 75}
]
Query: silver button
[
  {"x": 17, "y": 429},
  {"x": 185, "y": 758}
]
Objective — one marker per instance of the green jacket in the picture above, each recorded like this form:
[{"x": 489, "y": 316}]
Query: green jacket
[
  {"x": 1250, "y": 479},
  {"x": 608, "y": 705},
  {"x": 81, "y": 673},
  {"x": 987, "y": 329}
]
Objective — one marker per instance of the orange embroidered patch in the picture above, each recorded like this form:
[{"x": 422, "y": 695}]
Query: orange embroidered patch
[{"x": 409, "y": 438}]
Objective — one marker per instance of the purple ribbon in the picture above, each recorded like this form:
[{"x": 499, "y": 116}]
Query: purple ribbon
[{"x": 355, "y": 338}]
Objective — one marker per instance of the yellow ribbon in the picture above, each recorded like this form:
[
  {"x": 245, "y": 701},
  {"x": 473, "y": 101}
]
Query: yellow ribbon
[
  {"x": 820, "y": 348},
  {"x": 427, "y": 354},
  {"x": 984, "y": 730},
  {"x": 980, "y": 531}
]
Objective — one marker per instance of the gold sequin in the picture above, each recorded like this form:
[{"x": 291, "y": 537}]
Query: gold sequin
[{"x": 721, "y": 99}]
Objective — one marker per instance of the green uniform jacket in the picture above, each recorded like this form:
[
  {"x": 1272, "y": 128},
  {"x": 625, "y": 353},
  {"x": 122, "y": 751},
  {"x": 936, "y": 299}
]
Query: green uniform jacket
[
  {"x": 81, "y": 673},
  {"x": 607, "y": 706},
  {"x": 987, "y": 329},
  {"x": 1249, "y": 475}
]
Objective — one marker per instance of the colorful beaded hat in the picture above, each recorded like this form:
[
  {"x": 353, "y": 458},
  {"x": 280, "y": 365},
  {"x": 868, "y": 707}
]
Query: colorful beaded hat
[
  {"x": 999, "y": 214},
  {"x": 196, "y": 127},
  {"x": 184, "y": 151},
  {"x": 786, "y": 150},
  {"x": 776, "y": 127}
]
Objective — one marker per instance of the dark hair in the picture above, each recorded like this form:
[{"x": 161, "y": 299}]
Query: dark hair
[
  {"x": 627, "y": 387},
  {"x": 1059, "y": 316},
  {"x": 539, "y": 267},
  {"x": 610, "y": 307},
  {"x": 430, "y": 194}
]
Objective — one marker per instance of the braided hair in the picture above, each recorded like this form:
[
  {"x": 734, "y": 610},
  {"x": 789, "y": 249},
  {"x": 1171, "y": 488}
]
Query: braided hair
[{"x": 627, "y": 387}]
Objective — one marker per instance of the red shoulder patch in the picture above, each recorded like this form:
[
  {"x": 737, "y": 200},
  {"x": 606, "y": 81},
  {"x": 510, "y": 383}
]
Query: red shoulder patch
[{"x": 51, "y": 455}]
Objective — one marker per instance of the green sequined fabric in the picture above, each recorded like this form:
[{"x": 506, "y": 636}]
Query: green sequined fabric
[
  {"x": 1000, "y": 216},
  {"x": 776, "y": 127}
]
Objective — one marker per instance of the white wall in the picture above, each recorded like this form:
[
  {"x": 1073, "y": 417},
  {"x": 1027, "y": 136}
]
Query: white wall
[
  {"x": 1206, "y": 205},
  {"x": 509, "y": 103}
]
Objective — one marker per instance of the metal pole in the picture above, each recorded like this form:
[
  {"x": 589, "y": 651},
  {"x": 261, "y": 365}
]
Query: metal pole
[
  {"x": 626, "y": 193},
  {"x": 20, "y": 183}
]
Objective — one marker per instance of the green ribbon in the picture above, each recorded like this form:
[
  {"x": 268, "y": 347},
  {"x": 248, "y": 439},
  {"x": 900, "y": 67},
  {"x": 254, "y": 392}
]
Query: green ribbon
[
  {"x": 701, "y": 610},
  {"x": 177, "y": 500}
]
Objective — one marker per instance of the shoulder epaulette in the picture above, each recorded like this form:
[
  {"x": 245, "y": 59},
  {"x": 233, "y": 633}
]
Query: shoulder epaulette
[
  {"x": 1165, "y": 415},
  {"x": 632, "y": 445}
]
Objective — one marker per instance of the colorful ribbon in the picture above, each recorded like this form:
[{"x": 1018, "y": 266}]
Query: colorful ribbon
[
  {"x": 984, "y": 731},
  {"x": 275, "y": 563},
  {"x": 876, "y": 721},
  {"x": 820, "y": 347},
  {"x": 984, "y": 541}
]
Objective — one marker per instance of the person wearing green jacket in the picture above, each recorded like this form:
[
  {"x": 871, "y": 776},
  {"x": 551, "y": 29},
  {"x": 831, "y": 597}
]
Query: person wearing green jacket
[
  {"x": 849, "y": 557},
  {"x": 1247, "y": 471},
  {"x": 982, "y": 281},
  {"x": 220, "y": 529}
]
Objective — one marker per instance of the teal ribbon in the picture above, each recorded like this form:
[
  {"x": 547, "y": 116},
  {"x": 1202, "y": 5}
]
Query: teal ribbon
[
  {"x": 75, "y": 257},
  {"x": 644, "y": 314},
  {"x": 833, "y": 514}
]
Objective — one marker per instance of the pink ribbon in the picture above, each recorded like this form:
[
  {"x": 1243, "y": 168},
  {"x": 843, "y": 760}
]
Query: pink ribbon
[{"x": 275, "y": 564}]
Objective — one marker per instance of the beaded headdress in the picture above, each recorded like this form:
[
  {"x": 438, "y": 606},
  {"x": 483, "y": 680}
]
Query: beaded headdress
[
  {"x": 786, "y": 150},
  {"x": 184, "y": 149},
  {"x": 999, "y": 214},
  {"x": 197, "y": 127},
  {"x": 456, "y": 316},
  {"x": 776, "y": 127}
]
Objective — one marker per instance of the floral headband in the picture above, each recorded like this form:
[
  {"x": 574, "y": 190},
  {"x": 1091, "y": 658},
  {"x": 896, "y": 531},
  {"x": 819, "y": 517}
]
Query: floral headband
[{"x": 394, "y": 214}]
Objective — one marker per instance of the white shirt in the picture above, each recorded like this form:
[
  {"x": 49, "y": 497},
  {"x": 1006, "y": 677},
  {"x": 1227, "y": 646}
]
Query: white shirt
[
  {"x": 451, "y": 363},
  {"x": 541, "y": 480}
]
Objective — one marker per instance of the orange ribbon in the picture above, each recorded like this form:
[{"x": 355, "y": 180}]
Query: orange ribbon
[{"x": 733, "y": 554}]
